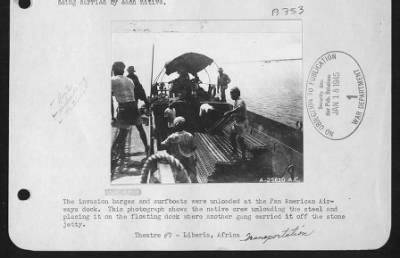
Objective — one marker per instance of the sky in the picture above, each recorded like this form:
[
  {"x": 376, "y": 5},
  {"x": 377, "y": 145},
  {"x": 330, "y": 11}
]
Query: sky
[{"x": 226, "y": 49}]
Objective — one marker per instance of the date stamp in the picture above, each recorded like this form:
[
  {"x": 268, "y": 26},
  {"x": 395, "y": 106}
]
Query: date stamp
[{"x": 336, "y": 95}]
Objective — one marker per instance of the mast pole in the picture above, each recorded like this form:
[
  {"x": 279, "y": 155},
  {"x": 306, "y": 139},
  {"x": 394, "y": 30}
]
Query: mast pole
[
  {"x": 152, "y": 65},
  {"x": 150, "y": 111}
]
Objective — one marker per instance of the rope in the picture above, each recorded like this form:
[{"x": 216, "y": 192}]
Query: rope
[{"x": 174, "y": 162}]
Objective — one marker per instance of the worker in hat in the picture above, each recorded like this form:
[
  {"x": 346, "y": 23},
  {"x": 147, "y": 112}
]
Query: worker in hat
[
  {"x": 139, "y": 91},
  {"x": 223, "y": 81},
  {"x": 180, "y": 144}
]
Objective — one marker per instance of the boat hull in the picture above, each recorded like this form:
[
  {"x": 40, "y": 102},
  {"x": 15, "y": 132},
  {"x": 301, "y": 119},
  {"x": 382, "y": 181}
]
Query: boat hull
[{"x": 276, "y": 152}]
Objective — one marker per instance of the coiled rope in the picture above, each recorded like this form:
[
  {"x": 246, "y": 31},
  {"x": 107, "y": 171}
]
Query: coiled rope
[{"x": 174, "y": 162}]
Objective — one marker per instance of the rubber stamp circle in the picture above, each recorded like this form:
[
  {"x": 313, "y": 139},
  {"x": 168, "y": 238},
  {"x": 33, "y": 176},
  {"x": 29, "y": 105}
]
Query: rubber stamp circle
[{"x": 336, "y": 95}]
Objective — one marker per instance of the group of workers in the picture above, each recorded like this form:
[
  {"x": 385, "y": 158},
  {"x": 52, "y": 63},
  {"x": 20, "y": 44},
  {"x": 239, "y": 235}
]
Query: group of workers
[
  {"x": 185, "y": 88},
  {"x": 127, "y": 90},
  {"x": 180, "y": 143}
]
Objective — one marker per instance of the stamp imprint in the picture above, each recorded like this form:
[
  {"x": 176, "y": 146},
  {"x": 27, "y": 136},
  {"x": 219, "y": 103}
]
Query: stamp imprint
[{"x": 336, "y": 95}]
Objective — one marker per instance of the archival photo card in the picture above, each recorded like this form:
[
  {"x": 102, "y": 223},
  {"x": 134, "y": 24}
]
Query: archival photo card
[{"x": 176, "y": 125}]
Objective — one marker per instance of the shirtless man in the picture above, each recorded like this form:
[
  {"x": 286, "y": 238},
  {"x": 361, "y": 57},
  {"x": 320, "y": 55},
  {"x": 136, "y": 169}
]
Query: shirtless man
[{"x": 240, "y": 122}]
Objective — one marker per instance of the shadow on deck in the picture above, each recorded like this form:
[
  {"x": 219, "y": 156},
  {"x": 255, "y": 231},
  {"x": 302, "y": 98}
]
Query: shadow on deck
[{"x": 126, "y": 169}]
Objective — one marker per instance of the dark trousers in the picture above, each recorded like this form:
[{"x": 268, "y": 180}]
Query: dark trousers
[
  {"x": 223, "y": 95},
  {"x": 211, "y": 91}
]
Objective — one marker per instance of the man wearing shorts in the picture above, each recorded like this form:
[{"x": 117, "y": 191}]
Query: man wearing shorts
[
  {"x": 240, "y": 122},
  {"x": 128, "y": 113}
]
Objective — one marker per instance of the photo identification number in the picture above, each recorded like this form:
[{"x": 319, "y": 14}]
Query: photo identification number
[{"x": 299, "y": 10}]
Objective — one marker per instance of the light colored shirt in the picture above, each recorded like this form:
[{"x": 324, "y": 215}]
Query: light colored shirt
[
  {"x": 180, "y": 144},
  {"x": 123, "y": 89},
  {"x": 205, "y": 108},
  {"x": 170, "y": 114}
]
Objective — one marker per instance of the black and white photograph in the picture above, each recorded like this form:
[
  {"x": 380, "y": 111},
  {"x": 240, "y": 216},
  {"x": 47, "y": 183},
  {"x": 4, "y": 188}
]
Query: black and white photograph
[{"x": 207, "y": 107}]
